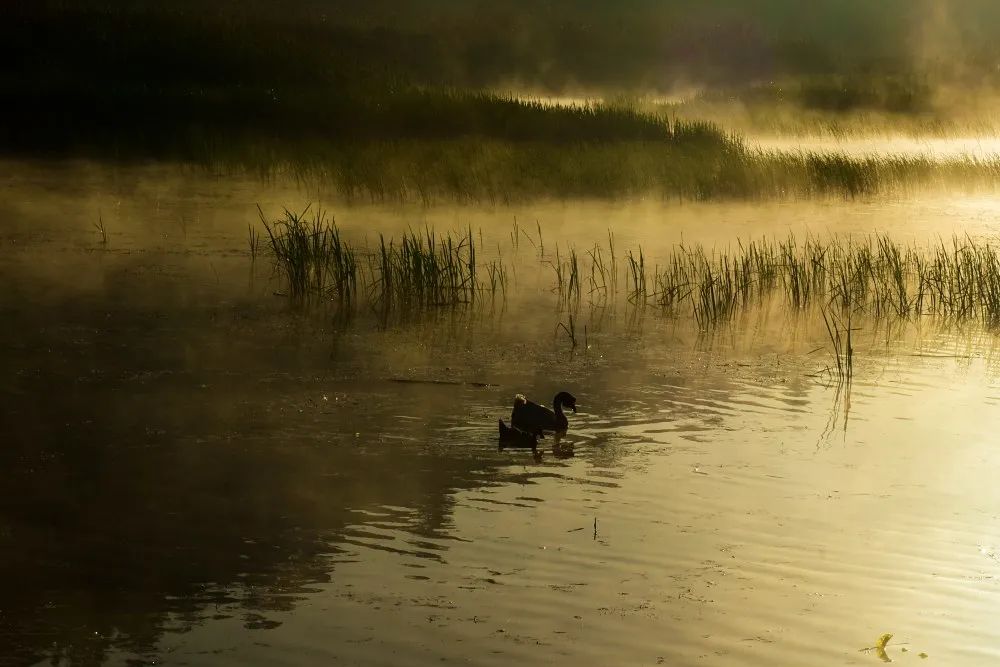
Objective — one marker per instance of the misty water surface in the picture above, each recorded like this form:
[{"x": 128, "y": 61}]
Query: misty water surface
[{"x": 198, "y": 472}]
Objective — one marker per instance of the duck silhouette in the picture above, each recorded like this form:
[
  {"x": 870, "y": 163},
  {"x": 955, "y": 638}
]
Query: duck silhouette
[{"x": 531, "y": 417}]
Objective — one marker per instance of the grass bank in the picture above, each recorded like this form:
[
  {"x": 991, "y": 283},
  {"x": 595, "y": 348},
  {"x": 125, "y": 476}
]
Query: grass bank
[{"x": 288, "y": 91}]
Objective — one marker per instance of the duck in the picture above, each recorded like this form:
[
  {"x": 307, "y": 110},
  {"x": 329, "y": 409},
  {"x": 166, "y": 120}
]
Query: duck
[
  {"x": 511, "y": 436},
  {"x": 529, "y": 416}
]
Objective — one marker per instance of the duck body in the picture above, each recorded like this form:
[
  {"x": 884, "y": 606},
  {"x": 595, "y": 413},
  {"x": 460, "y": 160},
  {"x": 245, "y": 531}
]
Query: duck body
[
  {"x": 529, "y": 416},
  {"x": 511, "y": 436}
]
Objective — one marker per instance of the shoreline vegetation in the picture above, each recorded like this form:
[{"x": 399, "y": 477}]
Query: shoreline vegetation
[{"x": 371, "y": 107}]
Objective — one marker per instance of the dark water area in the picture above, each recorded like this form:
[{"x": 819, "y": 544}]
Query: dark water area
[{"x": 195, "y": 471}]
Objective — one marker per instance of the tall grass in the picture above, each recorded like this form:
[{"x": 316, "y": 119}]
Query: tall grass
[
  {"x": 253, "y": 242},
  {"x": 419, "y": 271},
  {"x": 636, "y": 277},
  {"x": 957, "y": 279},
  {"x": 475, "y": 169},
  {"x": 101, "y": 229},
  {"x": 839, "y": 331},
  {"x": 568, "y": 276},
  {"x": 311, "y": 255},
  {"x": 425, "y": 270}
]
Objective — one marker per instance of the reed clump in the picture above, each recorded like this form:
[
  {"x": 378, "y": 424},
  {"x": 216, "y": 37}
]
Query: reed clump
[
  {"x": 418, "y": 271},
  {"x": 101, "y": 229},
  {"x": 957, "y": 279},
  {"x": 838, "y": 328},
  {"x": 310, "y": 254},
  {"x": 568, "y": 276},
  {"x": 426, "y": 270}
]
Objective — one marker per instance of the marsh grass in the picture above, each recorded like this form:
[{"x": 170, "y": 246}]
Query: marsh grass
[
  {"x": 253, "y": 242},
  {"x": 957, "y": 279},
  {"x": 599, "y": 274},
  {"x": 568, "y": 277},
  {"x": 474, "y": 170},
  {"x": 570, "y": 331},
  {"x": 844, "y": 277},
  {"x": 310, "y": 254},
  {"x": 496, "y": 272},
  {"x": 101, "y": 229},
  {"x": 635, "y": 278},
  {"x": 839, "y": 330},
  {"x": 421, "y": 270},
  {"x": 426, "y": 270}
]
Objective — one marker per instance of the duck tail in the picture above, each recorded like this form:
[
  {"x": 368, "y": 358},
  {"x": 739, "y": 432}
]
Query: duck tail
[{"x": 504, "y": 430}]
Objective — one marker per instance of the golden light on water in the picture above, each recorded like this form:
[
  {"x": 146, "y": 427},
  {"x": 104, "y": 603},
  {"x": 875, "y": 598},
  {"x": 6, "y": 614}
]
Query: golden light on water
[{"x": 759, "y": 243}]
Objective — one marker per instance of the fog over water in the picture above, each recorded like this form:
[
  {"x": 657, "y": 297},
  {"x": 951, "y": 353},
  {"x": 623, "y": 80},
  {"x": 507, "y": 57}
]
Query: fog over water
[
  {"x": 274, "y": 274},
  {"x": 202, "y": 472}
]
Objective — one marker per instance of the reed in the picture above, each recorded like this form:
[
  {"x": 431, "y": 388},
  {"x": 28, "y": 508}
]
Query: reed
[
  {"x": 612, "y": 262},
  {"x": 311, "y": 255},
  {"x": 600, "y": 273},
  {"x": 839, "y": 331},
  {"x": 496, "y": 273},
  {"x": 421, "y": 270},
  {"x": 957, "y": 279},
  {"x": 636, "y": 277},
  {"x": 101, "y": 229},
  {"x": 426, "y": 270},
  {"x": 568, "y": 276},
  {"x": 877, "y": 276},
  {"x": 253, "y": 241},
  {"x": 570, "y": 331}
]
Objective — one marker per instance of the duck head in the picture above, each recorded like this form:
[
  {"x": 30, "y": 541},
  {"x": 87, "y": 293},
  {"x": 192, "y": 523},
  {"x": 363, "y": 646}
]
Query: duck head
[{"x": 565, "y": 399}]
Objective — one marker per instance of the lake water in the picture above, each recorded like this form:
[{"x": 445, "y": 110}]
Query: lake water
[{"x": 198, "y": 472}]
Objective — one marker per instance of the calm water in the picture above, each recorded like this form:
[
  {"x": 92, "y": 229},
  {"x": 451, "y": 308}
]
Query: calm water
[{"x": 197, "y": 473}]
